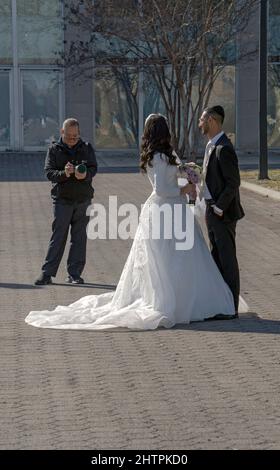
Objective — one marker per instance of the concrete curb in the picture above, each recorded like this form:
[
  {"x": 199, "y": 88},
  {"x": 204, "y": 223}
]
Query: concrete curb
[{"x": 261, "y": 190}]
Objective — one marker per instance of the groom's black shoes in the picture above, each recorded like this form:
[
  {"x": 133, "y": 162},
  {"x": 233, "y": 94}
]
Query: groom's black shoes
[
  {"x": 43, "y": 280},
  {"x": 221, "y": 316}
]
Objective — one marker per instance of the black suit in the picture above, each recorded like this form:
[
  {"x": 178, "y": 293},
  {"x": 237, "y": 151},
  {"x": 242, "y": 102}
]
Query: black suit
[{"x": 223, "y": 181}]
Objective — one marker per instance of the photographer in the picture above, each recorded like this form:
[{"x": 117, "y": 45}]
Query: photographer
[{"x": 70, "y": 166}]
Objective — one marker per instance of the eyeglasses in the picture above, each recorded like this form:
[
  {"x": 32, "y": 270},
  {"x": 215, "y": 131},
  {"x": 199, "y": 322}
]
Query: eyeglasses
[
  {"x": 71, "y": 137},
  {"x": 204, "y": 118}
]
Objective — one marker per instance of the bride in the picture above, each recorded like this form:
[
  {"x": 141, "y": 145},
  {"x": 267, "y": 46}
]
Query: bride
[{"x": 160, "y": 285}]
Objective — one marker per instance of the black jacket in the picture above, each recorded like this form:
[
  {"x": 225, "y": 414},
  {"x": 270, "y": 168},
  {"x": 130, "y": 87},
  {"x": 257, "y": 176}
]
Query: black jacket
[
  {"x": 223, "y": 179},
  {"x": 70, "y": 189}
]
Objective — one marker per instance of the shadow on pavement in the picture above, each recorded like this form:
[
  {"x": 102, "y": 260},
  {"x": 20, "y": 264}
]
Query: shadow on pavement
[
  {"x": 247, "y": 323},
  {"x": 86, "y": 285},
  {"x": 10, "y": 285}
]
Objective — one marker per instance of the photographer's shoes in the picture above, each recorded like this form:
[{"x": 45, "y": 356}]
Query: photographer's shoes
[
  {"x": 43, "y": 280},
  {"x": 75, "y": 280}
]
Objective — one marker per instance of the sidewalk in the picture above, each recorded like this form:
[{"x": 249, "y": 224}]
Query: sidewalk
[
  {"x": 127, "y": 161},
  {"x": 209, "y": 385},
  {"x": 131, "y": 159}
]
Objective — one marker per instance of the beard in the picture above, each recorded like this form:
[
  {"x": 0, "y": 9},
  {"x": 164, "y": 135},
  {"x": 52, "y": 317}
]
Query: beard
[{"x": 204, "y": 129}]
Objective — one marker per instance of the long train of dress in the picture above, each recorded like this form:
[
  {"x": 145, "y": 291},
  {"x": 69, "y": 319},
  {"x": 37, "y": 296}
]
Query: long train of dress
[{"x": 159, "y": 285}]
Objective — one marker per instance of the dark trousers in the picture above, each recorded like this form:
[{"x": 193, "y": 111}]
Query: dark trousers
[
  {"x": 223, "y": 249},
  {"x": 65, "y": 216}
]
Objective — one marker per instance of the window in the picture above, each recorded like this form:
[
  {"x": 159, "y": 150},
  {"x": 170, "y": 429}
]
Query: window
[
  {"x": 274, "y": 26},
  {"x": 223, "y": 93},
  {"x": 116, "y": 99},
  {"x": 6, "y": 54},
  {"x": 4, "y": 109},
  {"x": 153, "y": 101},
  {"x": 40, "y": 107},
  {"x": 40, "y": 31}
]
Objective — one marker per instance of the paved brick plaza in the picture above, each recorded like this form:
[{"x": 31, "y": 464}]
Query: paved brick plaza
[{"x": 210, "y": 385}]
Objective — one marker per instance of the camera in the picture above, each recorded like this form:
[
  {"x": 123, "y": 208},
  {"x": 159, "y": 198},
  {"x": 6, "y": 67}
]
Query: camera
[{"x": 81, "y": 167}]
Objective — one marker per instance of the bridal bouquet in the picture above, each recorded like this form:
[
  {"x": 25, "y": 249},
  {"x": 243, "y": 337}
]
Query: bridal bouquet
[{"x": 192, "y": 173}]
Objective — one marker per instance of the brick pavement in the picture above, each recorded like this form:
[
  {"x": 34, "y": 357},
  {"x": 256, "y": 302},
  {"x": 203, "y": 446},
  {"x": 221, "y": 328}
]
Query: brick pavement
[{"x": 210, "y": 385}]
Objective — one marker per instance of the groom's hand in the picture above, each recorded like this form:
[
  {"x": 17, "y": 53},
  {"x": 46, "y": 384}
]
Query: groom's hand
[{"x": 217, "y": 211}]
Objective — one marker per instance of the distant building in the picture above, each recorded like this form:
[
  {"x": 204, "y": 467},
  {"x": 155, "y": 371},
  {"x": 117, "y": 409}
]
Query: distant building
[{"x": 36, "y": 95}]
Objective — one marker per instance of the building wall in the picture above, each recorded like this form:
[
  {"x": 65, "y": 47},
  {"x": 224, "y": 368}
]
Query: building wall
[
  {"x": 247, "y": 80},
  {"x": 78, "y": 91}
]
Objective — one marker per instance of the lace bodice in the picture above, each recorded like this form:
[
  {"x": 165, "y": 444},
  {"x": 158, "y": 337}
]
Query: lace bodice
[{"x": 163, "y": 177}]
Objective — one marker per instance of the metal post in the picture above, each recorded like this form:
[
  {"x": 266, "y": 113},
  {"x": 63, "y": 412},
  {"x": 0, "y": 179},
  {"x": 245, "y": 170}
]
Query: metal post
[{"x": 263, "y": 162}]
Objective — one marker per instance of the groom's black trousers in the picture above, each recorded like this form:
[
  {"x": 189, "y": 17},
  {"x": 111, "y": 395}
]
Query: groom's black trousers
[{"x": 223, "y": 249}]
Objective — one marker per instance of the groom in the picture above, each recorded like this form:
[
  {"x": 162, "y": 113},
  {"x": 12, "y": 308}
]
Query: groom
[{"x": 220, "y": 189}]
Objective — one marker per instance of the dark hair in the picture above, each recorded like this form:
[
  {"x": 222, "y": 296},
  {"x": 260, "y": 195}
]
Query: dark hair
[
  {"x": 156, "y": 138},
  {"x": 217, "y": 112}
]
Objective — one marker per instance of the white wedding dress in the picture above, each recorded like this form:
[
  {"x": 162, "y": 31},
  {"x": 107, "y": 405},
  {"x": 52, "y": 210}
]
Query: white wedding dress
[{"x": 159, "y": 285}]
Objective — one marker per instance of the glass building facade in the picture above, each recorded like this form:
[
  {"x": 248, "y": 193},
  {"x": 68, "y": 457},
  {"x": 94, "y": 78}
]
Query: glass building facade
[
  {"x": 31, "y": 36},
  {"x": 35, "y": 95},
  {"x": 116, "y": 108},
  {"x": 273, "y": 113}
]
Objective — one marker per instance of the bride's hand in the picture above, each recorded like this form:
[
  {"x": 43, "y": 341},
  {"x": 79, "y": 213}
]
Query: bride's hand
[{"x": 188, "y": 189}]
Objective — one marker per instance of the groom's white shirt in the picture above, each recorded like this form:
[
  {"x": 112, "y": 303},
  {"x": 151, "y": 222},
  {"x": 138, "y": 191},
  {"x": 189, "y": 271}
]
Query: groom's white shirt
[{"x": 205, "y": 193}]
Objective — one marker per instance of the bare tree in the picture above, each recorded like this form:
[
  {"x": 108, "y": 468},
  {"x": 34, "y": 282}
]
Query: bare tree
[
  {"x": 273, "y": 115},
  {"x": 182, "y": 44}
]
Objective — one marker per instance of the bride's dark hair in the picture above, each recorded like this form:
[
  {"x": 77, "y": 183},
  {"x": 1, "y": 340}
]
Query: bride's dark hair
[{"x": 156, "y": 138}]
